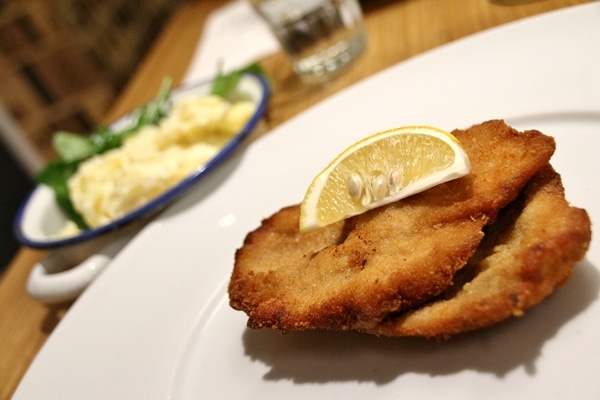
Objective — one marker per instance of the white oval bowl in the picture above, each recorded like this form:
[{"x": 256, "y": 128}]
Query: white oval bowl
[{"x": 39, "y": 218}]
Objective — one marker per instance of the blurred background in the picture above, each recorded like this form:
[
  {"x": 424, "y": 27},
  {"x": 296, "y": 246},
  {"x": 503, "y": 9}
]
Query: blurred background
[{"x": 62, "y": 62}]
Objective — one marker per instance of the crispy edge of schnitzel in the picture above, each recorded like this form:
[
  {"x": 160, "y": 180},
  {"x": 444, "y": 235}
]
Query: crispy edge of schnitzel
[
  {"x": 352, "y": 274},
  {"x": 526, "y": 254}
]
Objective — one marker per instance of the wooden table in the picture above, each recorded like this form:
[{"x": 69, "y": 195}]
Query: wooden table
[{"x": 397, "y": 29}]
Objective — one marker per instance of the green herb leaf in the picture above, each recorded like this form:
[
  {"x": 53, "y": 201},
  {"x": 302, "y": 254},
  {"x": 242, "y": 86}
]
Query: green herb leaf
[
  {"x": 71, "y": 147},
  {"x": 225, "y": 84},
  {"x": 154, "y": 111},
  {"x": 55, "y": 175}
]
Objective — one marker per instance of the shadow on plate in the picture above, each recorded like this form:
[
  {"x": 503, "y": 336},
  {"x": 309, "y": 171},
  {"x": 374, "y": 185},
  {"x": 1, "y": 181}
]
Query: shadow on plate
[{"x": 327, "y": 356}]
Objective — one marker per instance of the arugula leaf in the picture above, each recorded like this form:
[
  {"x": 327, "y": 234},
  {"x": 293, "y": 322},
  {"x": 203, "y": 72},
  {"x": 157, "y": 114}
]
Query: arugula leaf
[
  {"x": 154, "y": 111},
  {"x": 225, "y": 84},
  {"x": 72, "y": 147},
  {"x": 56, "y": 175}
]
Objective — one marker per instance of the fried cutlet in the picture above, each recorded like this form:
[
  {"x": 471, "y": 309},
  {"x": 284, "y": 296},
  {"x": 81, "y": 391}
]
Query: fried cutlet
[
  {"x": 526, "y": 254},
  {"x": 353, "y": 274}
]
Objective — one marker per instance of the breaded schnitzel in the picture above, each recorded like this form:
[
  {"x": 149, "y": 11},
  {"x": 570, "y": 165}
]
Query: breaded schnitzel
[
  {"x": 353, "y": 274},
  {"x": 528, "y": 252}
]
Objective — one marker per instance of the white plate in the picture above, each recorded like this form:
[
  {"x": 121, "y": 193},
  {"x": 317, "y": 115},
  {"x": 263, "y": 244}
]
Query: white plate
[{"x": 156, "y": 324}]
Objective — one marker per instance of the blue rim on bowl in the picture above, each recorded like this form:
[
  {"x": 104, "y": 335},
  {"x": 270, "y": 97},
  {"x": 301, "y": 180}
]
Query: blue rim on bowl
[{"x": 40, "y": 203}]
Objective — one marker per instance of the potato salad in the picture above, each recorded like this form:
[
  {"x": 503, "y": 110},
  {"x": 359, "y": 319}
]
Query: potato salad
[{"x": 109, "y": 185}]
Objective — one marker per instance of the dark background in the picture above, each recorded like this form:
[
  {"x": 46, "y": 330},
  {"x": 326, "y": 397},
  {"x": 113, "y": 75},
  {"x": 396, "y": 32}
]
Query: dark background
[{"x": 15, "y": 184}]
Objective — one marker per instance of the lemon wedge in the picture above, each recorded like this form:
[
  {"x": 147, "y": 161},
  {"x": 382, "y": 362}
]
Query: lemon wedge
[{"x": 380, "y": 169}]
